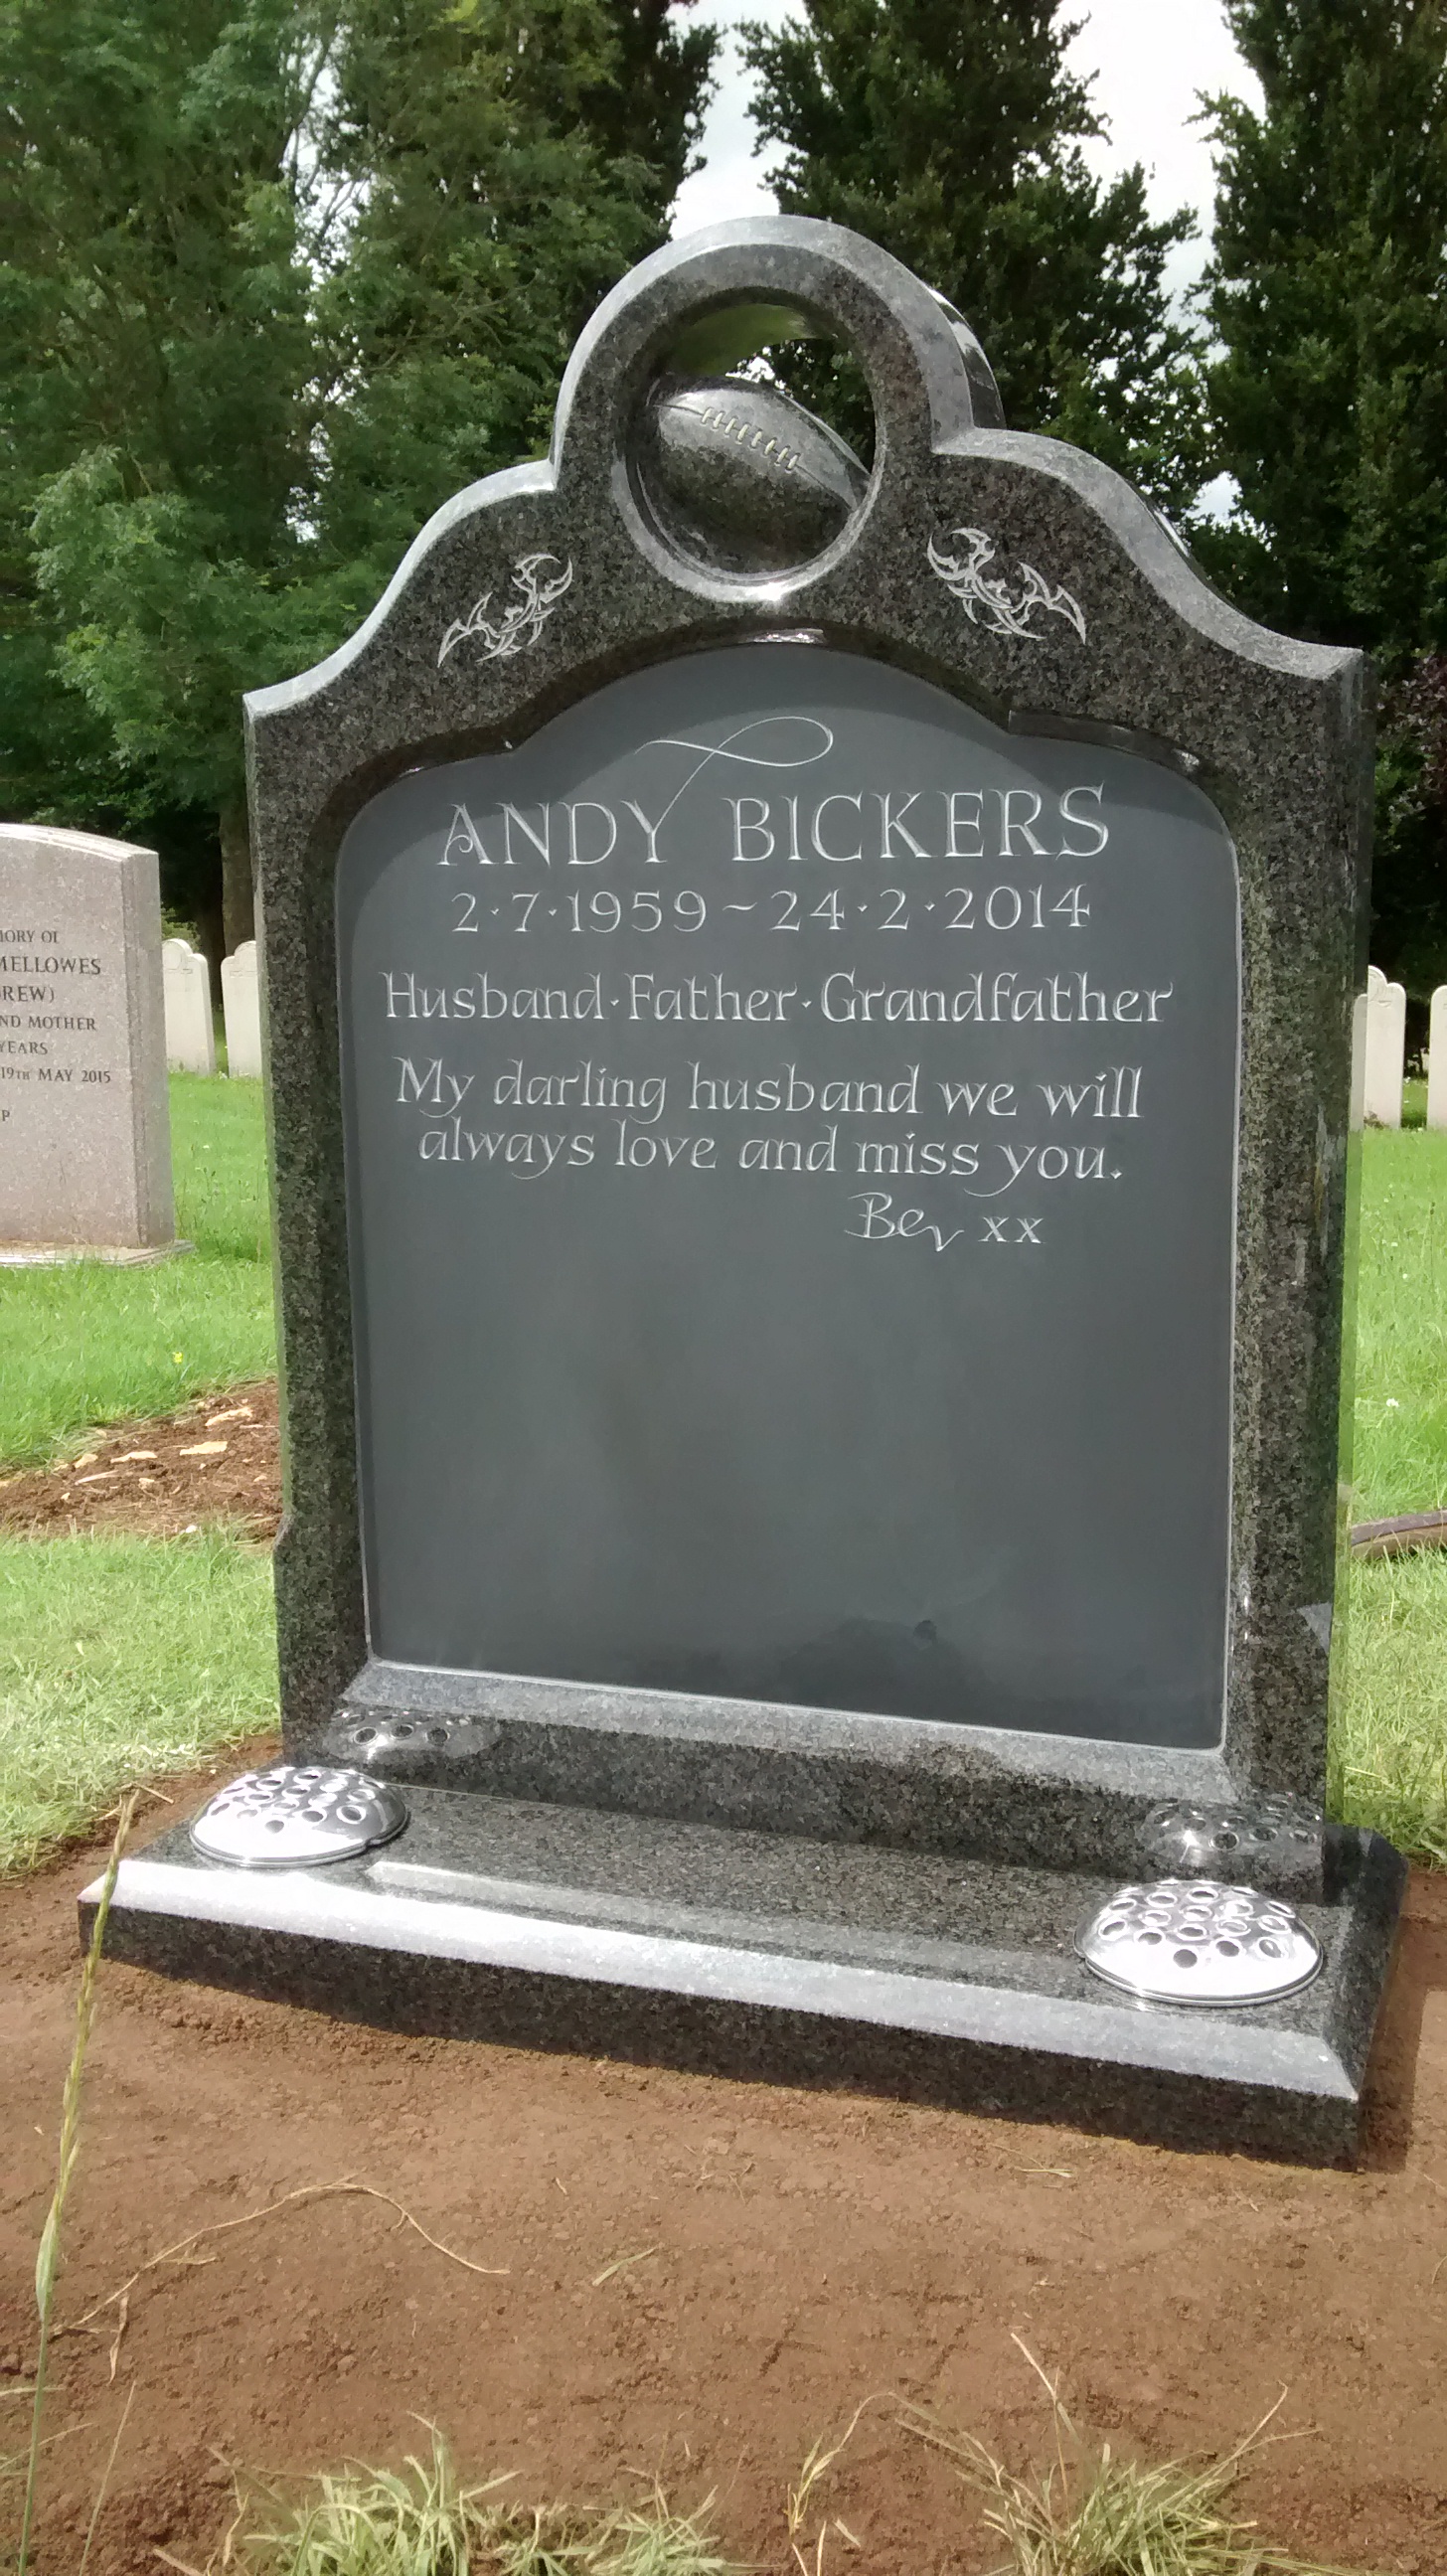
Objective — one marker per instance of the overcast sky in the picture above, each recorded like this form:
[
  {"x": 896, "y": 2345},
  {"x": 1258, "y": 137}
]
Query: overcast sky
[{"x": 1148, "y": 59}]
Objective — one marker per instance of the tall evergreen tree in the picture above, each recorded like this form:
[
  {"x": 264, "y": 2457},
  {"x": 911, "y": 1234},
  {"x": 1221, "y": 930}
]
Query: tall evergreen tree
[
  {"x": 1326, "y": 293},
  {"x": 281, "y": 275},
  {"x": 950, "y": 132}
]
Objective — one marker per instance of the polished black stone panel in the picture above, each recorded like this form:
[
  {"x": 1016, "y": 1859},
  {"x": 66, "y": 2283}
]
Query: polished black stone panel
[
  {"x": 761, "y": 1956},
  {"x": 790, "y": 1125}
]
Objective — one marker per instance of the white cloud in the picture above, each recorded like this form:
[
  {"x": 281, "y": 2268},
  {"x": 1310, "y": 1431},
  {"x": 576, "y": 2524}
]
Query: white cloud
[
  {"x": 731, "y": 181},
  {"x": 1150, "y": 58}
]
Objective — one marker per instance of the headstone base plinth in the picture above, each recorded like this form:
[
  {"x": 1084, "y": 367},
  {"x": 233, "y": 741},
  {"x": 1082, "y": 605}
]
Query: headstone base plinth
[
  {"x": 115, "y": 1256},
  {"x": 771, "y": 1957}
]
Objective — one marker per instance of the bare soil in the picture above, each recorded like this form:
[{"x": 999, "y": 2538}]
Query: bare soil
[
  {"x": 216, "y": 1460},
  {"x": 789, "y": 2254}
]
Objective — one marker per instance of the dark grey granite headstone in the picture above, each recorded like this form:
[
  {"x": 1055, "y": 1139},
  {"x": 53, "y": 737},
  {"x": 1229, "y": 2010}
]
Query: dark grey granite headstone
[{"x": 810, "y": 1107}]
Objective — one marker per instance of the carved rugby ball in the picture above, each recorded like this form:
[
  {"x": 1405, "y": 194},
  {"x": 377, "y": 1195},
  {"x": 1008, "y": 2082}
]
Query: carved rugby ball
[{"x": 744, "y": 478}]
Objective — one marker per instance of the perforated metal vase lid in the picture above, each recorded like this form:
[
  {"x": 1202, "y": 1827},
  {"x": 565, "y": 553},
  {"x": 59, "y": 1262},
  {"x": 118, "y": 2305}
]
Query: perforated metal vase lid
[
  {"x": 296, "y": 1815},
  {"x": 1194, "y": 1941}
]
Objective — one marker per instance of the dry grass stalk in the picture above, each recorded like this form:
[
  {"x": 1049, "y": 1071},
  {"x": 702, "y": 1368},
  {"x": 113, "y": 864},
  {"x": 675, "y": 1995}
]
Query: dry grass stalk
[
  {"x": 183, "y": 2251},
  {"x": 47, "y": 2260},
  {"x": 95, "y": 2511},
  {"x": 1103, "y": 2516},
  {"x": 821, "y": 2459}
]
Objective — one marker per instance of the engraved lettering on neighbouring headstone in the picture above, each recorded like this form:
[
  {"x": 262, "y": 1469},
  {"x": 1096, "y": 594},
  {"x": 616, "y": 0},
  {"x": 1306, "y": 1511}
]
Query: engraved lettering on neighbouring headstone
[{"x": 85, "y": 1147}]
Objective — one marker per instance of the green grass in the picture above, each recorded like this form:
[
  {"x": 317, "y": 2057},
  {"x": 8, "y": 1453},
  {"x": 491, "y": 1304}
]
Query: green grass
[
  {"x": 1388, "y": 1762},
  {"x": 1388, "y": 1755},
  {"x": 122, "y": 1659},
  {"x": 85, "y": 1344},
  {"x": 1399, "y": 1461}
]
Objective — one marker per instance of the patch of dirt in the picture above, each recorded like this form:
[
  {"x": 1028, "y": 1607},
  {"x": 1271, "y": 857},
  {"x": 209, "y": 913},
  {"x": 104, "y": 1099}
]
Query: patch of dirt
[
  {"x": 217, "y": 1459},
  {"x": 795, "y": 2253}
]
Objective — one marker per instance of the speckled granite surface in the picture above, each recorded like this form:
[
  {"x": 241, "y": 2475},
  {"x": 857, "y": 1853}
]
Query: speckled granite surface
[
  {"x": 765, "y": 1956},
  {"x": 1277, "y": 734}
]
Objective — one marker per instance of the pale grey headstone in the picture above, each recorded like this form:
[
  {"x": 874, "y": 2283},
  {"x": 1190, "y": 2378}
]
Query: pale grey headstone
[
  {"x": 190, "y": 1029},
  {"x": 85, "y": 1135},
  {"x": 1437, "y": 1060},
  {"x": 241, "y": 1001}
]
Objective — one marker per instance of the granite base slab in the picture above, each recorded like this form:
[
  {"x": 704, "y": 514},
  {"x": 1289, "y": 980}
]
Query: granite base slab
[{"x": 762, "y": 1956}]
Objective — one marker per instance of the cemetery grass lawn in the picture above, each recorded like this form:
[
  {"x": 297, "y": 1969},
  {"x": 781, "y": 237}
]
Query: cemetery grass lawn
[
  {"x": 131, "y": 1658},
  {"x": 1399, "y": 1462},
  {"x": 122, "y": 1659},
  {"x": 85, "y": 1344},
  {"x": 1389, "y": 1733}
]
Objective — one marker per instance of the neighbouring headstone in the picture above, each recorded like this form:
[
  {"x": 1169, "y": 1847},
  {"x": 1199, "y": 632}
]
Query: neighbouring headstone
[
  {"x": 812, "y": 1191},
  {"x": 241, "y": 1005},
  {"x": 1437, "y": 1060},
  {"x": 85, "y": 1137},
  {"x": 1386, "y": 1049},
  {"x": 190, "y": 1025}
]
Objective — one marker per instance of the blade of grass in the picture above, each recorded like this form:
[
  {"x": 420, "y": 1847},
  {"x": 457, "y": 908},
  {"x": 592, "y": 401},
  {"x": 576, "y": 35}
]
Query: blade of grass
[
  {"x": 47, "y": 2260},
  {"x": 95, "y": 2511}
]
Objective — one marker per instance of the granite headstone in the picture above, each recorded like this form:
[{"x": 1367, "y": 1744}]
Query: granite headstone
[
  {"x": 85, "y": 1139},
  {"x": 810, "y": 1070}
]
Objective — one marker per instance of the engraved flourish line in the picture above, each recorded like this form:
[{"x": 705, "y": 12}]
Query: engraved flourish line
[
  {"x": 523, "y": 620},
  {"x": 987, "y": 600},
  {"x": 723, "y": 751}
]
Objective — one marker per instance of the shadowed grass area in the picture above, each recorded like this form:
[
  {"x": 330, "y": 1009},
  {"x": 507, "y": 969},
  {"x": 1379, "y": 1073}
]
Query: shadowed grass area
[
  {"x": 122, "y": 1659},
  {"x": 87, "y": 1344}
]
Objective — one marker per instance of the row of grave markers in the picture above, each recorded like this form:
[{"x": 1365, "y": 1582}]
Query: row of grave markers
[
  {"x": 191, "y": 1041},
  {"x": 1381, "y": 1053},
  {"x": 190, "y": 1028}
]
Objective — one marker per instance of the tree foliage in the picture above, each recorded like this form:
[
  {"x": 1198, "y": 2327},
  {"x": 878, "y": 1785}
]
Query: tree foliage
[
  {"x": 280, "y": 275},
  {"x": 949, "y": 131},
  {"x": 1326, "y": 294}
]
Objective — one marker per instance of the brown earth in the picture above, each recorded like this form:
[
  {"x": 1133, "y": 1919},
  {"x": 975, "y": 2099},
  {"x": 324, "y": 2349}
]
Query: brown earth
[
  {"x": 215, "y": 1460},
  {"x": 791, "y": 2254}
]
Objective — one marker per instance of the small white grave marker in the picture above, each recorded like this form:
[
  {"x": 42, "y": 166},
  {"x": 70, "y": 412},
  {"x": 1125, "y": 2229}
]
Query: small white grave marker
[
  {"x": 190, "y": 1030},
  {"x": 241, "y": 1001},
  {"x": 1437, "y": 1060},
  {"x": 85, "y": 1134},
  {"x": 1385, "y": 1050}
]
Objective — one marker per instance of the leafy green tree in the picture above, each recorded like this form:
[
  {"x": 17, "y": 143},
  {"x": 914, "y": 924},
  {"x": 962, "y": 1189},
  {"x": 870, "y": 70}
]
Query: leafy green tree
[
  {"x": 152, "y": 348},
  {"x": 1325, "y": 293},
  {"x": 282, "y": 274},
  {"x": 949, "y": 131}
]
